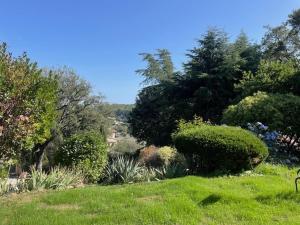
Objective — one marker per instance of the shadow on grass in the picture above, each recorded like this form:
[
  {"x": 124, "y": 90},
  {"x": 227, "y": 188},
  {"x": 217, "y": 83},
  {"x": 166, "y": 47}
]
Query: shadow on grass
[
  {"x": 211, "y": 199},
  {"x": 277, "y": 198}
]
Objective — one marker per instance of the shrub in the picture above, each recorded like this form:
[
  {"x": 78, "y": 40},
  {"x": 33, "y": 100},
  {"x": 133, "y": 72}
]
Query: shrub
[
  {"x": 279, "y": 111},
  {"x": 126, "y": 145},
  {"x": 219, "y": 148},
  {"x": 171, "y": 171},
  {"x": 4, "y": 186},
  {"x": 87, "y": 152},
  {"x": 149, "y": 156},
  {"x": 166, "y": 154},
  {"x": 126, "y": 170},
  {"x": 170, "y": 156},
  {"x": 57, "y": 178}
]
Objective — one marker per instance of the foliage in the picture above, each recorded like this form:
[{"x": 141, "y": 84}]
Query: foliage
[
  {"x": 166, "y": 154},
  {"x": 126, "y": 145},
  {"x": 219, "y": 148},
  {"x": 173, "y": 170},
  {"x": 206, "y": 88},
  {"x": 171, "y": 159},
  {"x": 86, "y": 151},
  {"x": 283, "y": 42},
  {"x": 126, "y": 170},
  {"x": 4, "y": 186},
  {"x": 119, "y": 111},
  {"x": 57, "y": 178},
  {"x": 159, "y": 67},
  {"x": 27, "y": 104},
  {"x": 272, "y": 76},
  {"x": 279, "y": 111},
  {"x": 5, "y": 167},
  {"x": 149, "y": 156},
  {"x": 229, "y": 200},
  {"x": 78, "y": 109}
]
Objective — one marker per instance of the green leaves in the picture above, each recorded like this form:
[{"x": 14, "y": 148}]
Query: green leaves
[
  {"x": 159, "y": 67},
  {"x": 278, "y": 111},
  {"x": 219, "y": 147},
  {"x": 87, "y": 152},
  {"x": 27, "y": 104}
]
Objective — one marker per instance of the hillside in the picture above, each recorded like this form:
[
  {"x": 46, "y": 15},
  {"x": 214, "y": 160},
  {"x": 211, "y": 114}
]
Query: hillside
[{"x": 264, "y": 198}]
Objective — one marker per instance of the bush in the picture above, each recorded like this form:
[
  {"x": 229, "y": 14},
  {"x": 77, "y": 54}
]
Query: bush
[
  {"x": 126, "y": 146},
  {"x": 152, "y": 156},
  {"x": 57, "y": 178},
  {"x": 166, "y": 154},
  {"x": 219, "y": 148},
  {"x": 279, "y": 111},
  {"x": 171, "y": 171},
  {"x": 171, "y": 157},
  {"x": 149, "y": 156},
  {"x": 87, "y": 152},
  {"x": 126, "y": 170}
]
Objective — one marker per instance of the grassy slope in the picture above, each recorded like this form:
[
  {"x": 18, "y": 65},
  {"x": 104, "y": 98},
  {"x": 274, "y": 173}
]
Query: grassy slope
[{"x": 268, "y": 199}]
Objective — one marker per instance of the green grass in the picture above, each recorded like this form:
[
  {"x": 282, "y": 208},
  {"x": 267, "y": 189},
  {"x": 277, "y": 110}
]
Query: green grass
[{"x": 267, "y": 199}]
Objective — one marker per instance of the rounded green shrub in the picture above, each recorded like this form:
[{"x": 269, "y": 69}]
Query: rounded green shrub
[
  {"x": 86, "y": 152},
  {"x": 219, "y": 148},
  {"x": 278, "y": 111},
  {"x": 170, "y": 156},
  {"x": 166, "y": 154}
]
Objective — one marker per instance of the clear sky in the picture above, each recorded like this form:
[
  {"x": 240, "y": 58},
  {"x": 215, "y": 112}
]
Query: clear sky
[{"x": 101, "y": 39}]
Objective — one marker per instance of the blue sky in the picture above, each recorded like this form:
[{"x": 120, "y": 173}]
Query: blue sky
[{"x": 101, "y": 39}]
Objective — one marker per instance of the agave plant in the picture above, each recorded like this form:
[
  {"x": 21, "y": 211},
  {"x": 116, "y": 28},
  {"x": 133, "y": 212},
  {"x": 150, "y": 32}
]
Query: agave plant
[
  {"x": 123, "y": 170},
  {"x": 171, "y": 171},
  {"x": 4, "y": 186},
  {"x": 58, "y": 178}
]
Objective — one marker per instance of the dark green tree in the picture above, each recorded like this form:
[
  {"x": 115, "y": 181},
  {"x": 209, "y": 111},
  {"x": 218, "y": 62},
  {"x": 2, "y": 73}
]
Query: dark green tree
[
  {"x": 159, "y": 67},
  {"x": 205, "y": 90}
]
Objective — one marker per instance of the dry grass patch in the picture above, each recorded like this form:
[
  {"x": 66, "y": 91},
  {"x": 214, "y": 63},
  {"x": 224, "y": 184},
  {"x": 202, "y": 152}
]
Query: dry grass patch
[
  {"x": 60, "y": 206},
  {"x": 150, "y": 198}
]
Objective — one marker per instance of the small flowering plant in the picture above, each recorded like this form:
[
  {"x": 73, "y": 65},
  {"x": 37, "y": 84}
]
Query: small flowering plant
[{"x": 263, "y": 132}]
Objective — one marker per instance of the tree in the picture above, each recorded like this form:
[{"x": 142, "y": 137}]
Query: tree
[
  {"x": 209, "y": 56},
  {"x": 283, "y": 42},
  {"x": 77, "y": 111},
  {"x": 159, "y": 67},
  {"x": 205, "y": 90},
  {"x": 272, "y": 76},
  {"x": 153, "y": 118},
  {"x": 27, "y": 103}
]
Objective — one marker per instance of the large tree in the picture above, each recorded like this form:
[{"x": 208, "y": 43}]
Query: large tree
[
  {"x": 283, "y": 42},
  {"x": 206, "y": 88},
  {"x": 78, "y": 110},
  {"x": 27, "y": 104}
]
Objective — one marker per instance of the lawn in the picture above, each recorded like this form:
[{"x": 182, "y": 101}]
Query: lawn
[{"x": 257, "y": 199}]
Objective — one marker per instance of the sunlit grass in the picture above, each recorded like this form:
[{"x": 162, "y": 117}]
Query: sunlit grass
[{"x": 257, "y": 199}]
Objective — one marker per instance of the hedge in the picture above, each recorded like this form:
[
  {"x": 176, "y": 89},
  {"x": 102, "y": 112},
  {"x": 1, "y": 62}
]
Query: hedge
[{"x": 219, "y": 148}]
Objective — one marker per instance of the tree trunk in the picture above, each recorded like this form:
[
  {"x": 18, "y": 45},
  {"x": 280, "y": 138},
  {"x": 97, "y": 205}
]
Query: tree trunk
[
  {"x": 39, "y": 152},
  {"x": 39, "y": 155}
]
